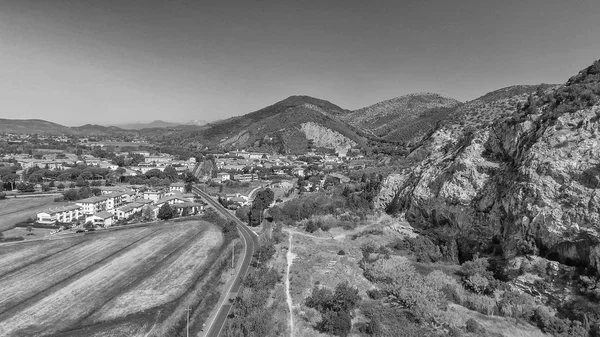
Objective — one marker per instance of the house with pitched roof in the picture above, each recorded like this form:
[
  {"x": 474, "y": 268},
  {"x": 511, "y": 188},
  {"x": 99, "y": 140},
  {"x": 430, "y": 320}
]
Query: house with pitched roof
[{"x": 103, "y": 219}]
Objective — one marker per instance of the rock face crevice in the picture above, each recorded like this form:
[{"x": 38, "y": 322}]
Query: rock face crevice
[{"x": 533, "y": 183}]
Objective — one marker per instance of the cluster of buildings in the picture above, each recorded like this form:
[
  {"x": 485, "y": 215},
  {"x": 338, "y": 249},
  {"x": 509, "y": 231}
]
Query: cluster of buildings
[{"x": 104, "y": 210}]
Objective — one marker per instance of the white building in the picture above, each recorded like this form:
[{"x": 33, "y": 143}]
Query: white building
[
  {"x": 59, "y": 214},
  {"x": 93, "y": 205},
  {"x": 103, "y": 219},
  {"x": 177, "y": 187},
  {"x": 128, "y": 210}
]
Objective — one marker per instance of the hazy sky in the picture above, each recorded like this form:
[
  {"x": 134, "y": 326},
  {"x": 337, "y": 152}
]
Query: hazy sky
[{"x": 115, "y": 61}]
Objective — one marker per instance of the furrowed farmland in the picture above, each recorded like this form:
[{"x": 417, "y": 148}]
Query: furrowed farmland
[{"x": 126, "y": 282}]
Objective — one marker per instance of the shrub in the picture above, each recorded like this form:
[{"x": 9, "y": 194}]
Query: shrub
[
  {"x": 336, "y": 323},
  {"x": 375, "y": 294},
  {"x": 474, "y": 327},
  {"x": 341, "y": 252},
  {"x": 311, "y": 226},
  {"x": 335, "y": 308}
]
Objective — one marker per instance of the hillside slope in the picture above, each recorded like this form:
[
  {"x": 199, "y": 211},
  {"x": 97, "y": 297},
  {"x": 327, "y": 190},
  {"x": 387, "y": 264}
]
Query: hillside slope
[
  {"x": 527, "y": 181},
  {"x": 294, "y": 125},
  {"x": 402, "y": 118},
  {"x": 38, "y": 126}
]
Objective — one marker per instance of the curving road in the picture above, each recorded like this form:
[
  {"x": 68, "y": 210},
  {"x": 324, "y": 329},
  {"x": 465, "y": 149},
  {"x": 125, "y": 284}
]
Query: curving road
[{"x": 250, "y": 240}]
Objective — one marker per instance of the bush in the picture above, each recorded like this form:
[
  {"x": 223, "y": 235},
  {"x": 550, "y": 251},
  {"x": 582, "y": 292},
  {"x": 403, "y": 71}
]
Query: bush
[
  {"x": 474, "y": 327},
  {"x": 337, "y": 323},
  {"x": 2, "y": 195},
  {"x": 264, "y": 253},
  {"x": 311, "y": 226},
  {"x": 341, "y": 252},
  {"x": 335, "y": 308},
  {"x": 375, "y": 294}
]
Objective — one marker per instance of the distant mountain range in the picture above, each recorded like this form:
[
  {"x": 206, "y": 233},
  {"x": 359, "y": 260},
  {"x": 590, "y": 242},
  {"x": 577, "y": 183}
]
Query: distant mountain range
[
  {"x": 299, "y": 124},
  {"x": 156, "y": 124}
]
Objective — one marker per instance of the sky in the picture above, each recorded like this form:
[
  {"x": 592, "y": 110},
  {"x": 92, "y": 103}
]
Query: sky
[{"x": 119, "y": 61}]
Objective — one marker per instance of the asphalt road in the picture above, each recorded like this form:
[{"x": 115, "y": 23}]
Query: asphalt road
[{"x": 250, "y": 240}]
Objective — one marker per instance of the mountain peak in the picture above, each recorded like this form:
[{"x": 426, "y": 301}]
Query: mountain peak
[{"x": 298, "y": 100}]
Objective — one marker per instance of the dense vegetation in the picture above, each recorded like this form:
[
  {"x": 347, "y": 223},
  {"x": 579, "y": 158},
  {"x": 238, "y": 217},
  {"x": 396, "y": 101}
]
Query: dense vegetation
[
  {"x": 420, "y": 298},
  {"x": 336, "y": 308},
  {"x": 251, "y": 314}
]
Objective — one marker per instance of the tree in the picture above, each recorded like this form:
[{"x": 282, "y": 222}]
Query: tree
[
  {"x": 165, "y": 212},
  {"x": 147, "y": 214},
  {"x": 71, "y": 195},
  {"x": 170, "y": 173},
  {"x": 265, "y": 252},
  {"x": 11, "y": 178},
  {"x": 25, "y": 187}
]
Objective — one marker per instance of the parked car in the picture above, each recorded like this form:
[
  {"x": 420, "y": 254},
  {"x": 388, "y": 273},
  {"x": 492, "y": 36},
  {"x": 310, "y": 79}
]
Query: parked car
[{"x": 80, "y": 231}]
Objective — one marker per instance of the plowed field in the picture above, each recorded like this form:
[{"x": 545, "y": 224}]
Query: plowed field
[{"x": 116, "y": 281}]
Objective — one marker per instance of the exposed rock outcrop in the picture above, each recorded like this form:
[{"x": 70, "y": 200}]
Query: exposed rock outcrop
[
  {"x": 324, "y": 137},
  {"x": 529, "y": 182}
]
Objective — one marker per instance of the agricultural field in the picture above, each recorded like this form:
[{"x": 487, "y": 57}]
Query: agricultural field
[
  {"x": 124, "y": 282},
  {"x": 13, "y": 210}
]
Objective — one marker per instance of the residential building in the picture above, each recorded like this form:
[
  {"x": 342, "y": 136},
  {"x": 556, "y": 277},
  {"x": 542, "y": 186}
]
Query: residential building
[
  {"x": 298, "y": 171},
  {"x": 128, "y": 210},
  {"x": 59, "y": 214},
  {"x": 177, "y": 187},
  {"x": 104, "y": 219},
  {"x": 166, "y": 159},
  {"x": 154, "y": 195},
  {"x": 93, "y": 205},
  {"x": 223, "y": 176},
  {"x": 245, "y": 177}
]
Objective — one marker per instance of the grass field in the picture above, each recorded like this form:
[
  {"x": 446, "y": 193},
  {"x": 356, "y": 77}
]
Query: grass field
[
  {"x": 13, "y": 210},
  {"x": 119, "y": 282}
]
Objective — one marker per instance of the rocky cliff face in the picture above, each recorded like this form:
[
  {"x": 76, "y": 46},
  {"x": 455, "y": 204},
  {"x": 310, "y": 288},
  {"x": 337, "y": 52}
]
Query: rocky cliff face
[
  {"x": 324, "y": 137},
  {"x": 528, "y": 183}
]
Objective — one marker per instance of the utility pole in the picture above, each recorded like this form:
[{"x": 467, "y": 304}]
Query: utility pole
[{"x": 187, "y": 327}]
